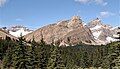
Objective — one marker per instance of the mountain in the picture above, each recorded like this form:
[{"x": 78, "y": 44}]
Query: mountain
[
  {"x": 4, "y": 33},
  {"x": 67, "y": 32},
  {"x": 102, "y": 33},
  {"x": 18, "y": 30}
]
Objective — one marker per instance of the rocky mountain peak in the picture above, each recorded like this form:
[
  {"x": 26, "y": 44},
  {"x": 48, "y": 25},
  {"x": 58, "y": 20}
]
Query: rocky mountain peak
[
  {"x": 75, "y": 19},
  {"x": 95, "y": 22},
  {"x": 102, "y": 32},
  {"x": 75, "y": 22},
  {"x": 64, "y": 32},
  {"x": 18, "y": 29}
]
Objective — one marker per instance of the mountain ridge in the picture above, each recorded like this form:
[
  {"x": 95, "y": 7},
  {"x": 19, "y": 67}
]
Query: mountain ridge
[
  {"x": 4, "y": 34},
  {"x": 75, "y": 31},
  {"x": 69, "y": 32},
  {"x": 60, "y": 32}
]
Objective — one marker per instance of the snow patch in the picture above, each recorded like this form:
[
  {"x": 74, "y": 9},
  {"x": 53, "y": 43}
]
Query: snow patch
[
  {"x": 110, "y": 39},
  {"x": 96, "y": 27},
  {"x": 84, "y": 24},
  {"x": 20, "y": 31},
  {"x": 115, "y": 35},
  {"x": 114, "y": 28},
  {"x": 96, "y": 34}
]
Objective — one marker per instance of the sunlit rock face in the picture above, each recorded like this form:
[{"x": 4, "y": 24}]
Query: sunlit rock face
[
  {"x": 67, "y": 32},
  {"x": 74, "y": 31},
  {"x": 75, "y": 22},
  {"x": 4, "y": 34}
]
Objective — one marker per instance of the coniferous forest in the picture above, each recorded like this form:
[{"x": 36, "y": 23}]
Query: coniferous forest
[
  {"x": 59, "y": 34},
  {"x": 19, "y": 54}
]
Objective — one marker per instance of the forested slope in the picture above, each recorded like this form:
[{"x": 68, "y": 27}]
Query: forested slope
[{"x": 32, "y": 55}]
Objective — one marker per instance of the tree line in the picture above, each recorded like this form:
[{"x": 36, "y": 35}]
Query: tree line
[{"x": 20, "y": 54}]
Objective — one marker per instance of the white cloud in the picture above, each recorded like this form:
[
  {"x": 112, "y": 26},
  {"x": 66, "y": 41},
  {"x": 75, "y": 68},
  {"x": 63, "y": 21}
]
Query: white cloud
[
  {"x": 2, "y": 2},
  {"x": 105, "y": 14},
  {"x": 19, "y": 19},
  {"x": 105, "y": 3},
  {"x": 82, "y": 1},
  {"x": 102, "y": 2},
  {"x": 99, "y": 2}
]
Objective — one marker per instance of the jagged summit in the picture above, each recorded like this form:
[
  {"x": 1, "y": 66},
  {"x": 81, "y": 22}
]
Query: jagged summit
[
  {"x": 73, "y": 31},
  {"x": 18, "y": 27},
  {"x": 95, "y": 22},
  {"x": 101, "y": 32},
  {"x": 68, "y": 32},
  {"x": 63, "y": 31},
  {"x": 75, "y": 21}
]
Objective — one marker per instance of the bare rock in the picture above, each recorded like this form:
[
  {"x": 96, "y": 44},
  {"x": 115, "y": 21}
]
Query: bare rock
[{"x": 68, "y": 32}]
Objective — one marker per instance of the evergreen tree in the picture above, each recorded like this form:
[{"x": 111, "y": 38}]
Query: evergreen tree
[
  {"x": 85, "y": 60},
  {"x": 60, "y": 63},
  {"x": 8, "y": 45},
  {"x": 2, "y": 48},
  {"x": 116, "y": 61},
  {"x": 20, "y": 56},
  {"x": 4, "y": 45},
  {"x": 33, "y": 54},
  {"x": 112, "y": 60},
  {"x": 55, "y": 60},
  {"x": 7, "y": 60},
  {"x": 41, "y": 55}
]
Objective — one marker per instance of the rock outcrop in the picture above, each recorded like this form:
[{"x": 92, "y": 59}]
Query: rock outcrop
[
  {"x": 4, "y": 33},
  {"x": 67, "y": 32},
  {"x": 101, "y": 32}
]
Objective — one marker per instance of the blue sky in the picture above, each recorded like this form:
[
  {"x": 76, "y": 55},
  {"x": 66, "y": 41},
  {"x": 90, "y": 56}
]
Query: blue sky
[{"x": 38, "y": 13}]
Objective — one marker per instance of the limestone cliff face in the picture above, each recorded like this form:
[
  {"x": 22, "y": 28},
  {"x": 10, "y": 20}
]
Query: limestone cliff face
[{"x": 64, "y": 32}]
